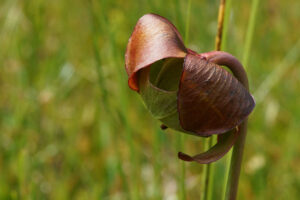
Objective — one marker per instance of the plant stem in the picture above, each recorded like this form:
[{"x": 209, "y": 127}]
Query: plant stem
[
  {"x": 220, "y": 25},
  {"x": 210, "y": 173},
  {"x": 238, "y": 149},
  {"x": 236, "y": 161},
  {"x": 223, "y": 58},
  {"x": 205, "y": 173},
  {"x": 226, "y": 177},
  {"x": 209, "y": 169},
  {"x": 225, "y": 26}
]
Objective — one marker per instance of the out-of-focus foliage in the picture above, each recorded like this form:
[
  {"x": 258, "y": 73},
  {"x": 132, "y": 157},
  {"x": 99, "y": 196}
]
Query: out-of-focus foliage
[{"x": 70, "y": 128}]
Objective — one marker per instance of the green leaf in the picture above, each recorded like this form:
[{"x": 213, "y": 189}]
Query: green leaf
[{"x": 160, "y": 103}]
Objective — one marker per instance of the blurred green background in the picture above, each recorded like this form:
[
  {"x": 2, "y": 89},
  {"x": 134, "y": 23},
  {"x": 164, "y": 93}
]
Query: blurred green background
[{"x": 70, "y": 128}]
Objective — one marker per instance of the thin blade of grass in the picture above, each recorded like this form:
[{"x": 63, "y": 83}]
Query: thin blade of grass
[
  {"x": 274, "y": 77},
  {"x": 250, "y": 32}
]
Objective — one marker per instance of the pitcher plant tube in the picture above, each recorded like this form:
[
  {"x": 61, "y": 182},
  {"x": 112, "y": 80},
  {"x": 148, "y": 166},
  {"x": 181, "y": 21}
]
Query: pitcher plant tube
[{"x": 187, "y": 91}]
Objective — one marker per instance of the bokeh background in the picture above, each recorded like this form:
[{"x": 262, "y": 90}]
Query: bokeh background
[{"x": 70, "y": 128}]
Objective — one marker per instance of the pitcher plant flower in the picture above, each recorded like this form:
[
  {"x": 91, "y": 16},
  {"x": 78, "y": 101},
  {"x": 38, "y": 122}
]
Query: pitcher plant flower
[{"x": 186, "y": 91}]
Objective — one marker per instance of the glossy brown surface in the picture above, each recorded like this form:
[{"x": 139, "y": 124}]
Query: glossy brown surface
[
  {"x": 153, "y": 39},
  {"x": 224, "y": 58},
  {"x": 210, "y": 99}
]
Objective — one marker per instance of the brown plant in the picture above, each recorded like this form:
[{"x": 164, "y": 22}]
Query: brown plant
[{"x": 187, "y": 91}]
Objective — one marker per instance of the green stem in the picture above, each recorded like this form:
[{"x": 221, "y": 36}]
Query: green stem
[
  {"x": 226, "y": 177},
  {"x": 210, "y": 172},
  {"x": 205, "y": 173}
]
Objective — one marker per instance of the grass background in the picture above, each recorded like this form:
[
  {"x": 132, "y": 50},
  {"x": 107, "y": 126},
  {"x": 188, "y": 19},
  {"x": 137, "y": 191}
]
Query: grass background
[{"x": 70, "y": 128}]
